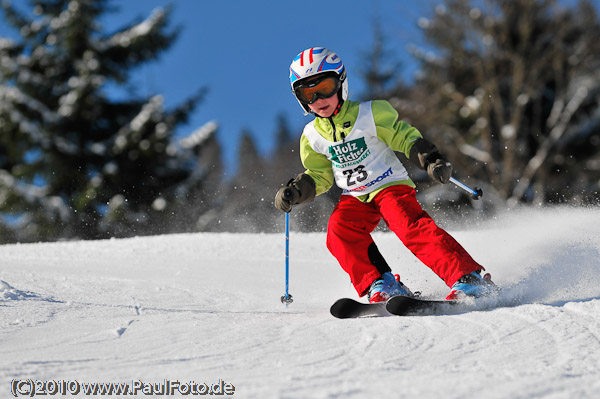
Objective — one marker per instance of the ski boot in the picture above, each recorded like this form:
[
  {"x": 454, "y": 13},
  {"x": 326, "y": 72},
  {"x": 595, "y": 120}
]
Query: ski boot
[
  {"x": 387, "y": 286},
  {"x": 472, "y": 284}
]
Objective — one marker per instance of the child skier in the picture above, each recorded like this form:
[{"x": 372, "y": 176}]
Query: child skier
[{"x": 353, "y": 144}]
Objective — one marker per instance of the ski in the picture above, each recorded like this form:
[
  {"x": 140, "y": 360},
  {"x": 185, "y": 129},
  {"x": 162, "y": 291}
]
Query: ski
[
  {"x": 401, "y": 305},
  {"x": 347, "y": 308}
]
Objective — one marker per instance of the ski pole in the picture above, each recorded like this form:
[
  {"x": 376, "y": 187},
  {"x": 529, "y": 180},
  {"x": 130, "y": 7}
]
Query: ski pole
[
  {"x": 476, "y": 193},
  {"x": 287, "y": 298}
]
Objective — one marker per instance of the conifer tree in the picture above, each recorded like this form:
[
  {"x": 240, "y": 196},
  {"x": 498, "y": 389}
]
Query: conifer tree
[
  {"x": 380, "y": 71},
  {"x": 75, "y": 163},
  {"x": 284, "y": 163},
  {"x": 246, "y": 205},
  {"x": 514, "y": 86},
  {"x": 202, "y": 194}
]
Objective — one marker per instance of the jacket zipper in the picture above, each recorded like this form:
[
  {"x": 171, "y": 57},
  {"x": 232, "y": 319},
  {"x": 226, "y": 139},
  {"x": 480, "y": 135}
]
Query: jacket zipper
[
  {"x": 335, "y": 130},
  {"x": 333, "y": 126}
]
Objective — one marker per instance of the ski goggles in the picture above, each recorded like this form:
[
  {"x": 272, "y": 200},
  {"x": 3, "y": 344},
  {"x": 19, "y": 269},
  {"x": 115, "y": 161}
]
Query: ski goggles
[{"x": 308, "y": 93}]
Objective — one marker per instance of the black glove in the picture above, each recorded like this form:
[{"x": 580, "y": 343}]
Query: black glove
[
  {"x": 440, "y": 170},
  {"x": 300, "y": 190},
  {"x": 426, "y": 156}
]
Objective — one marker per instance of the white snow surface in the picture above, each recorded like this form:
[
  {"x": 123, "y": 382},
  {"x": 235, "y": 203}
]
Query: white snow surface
[{"x": 206, "y": 307}]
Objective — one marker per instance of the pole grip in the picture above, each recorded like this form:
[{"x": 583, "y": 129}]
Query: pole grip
[{"x": 287, "y": 194}]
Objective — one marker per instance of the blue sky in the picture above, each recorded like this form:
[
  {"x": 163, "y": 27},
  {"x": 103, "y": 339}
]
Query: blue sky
[{"x": 241, "y": 51}]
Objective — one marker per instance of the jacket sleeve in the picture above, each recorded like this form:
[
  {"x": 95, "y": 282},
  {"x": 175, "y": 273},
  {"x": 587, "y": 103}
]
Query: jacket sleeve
[
  {"x": 397, "y": 134},
  {"x": 317, "y": 166}
]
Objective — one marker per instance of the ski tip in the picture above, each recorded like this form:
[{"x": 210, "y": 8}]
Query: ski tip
[
  {"x": 347, "y": 308},
  {"x": 341, "y": 309}
]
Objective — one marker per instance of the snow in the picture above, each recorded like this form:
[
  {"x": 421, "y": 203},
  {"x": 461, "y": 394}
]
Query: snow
[
  {"x": 125, "y": 38},
  {"x": 11, "y": 95},
  {"x": 200, "y": 135},
  {"x": 206, "y": 308}
]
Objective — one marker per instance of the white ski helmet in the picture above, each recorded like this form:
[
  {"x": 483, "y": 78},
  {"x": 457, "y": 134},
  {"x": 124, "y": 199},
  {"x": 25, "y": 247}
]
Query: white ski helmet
[{"x": 317, "y": 61}]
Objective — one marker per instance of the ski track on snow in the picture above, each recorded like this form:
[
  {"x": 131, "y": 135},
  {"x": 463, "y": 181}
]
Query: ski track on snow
[{"x": 204, "y": 307}]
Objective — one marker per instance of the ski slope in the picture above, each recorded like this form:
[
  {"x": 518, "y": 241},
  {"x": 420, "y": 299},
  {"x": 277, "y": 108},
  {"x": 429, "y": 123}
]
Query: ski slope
[{"x": 205, "y": 308}]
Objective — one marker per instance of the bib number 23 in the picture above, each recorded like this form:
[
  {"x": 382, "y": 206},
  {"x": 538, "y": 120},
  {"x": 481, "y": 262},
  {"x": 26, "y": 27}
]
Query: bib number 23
[{"x": 355, "y": 175}]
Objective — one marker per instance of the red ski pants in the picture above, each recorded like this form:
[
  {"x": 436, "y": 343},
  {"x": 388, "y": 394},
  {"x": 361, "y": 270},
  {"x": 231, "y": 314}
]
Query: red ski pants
[{"x": 352, "y": 222}]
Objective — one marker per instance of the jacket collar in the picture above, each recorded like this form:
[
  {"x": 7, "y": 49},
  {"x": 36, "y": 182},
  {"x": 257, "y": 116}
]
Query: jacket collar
[
  {"x": 337, "y": 116},
  {"x": 332, "y": 128}
]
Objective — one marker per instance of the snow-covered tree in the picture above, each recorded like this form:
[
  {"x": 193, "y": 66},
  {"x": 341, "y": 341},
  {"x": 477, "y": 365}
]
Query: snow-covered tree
[{"x": 75, "y": 163}]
